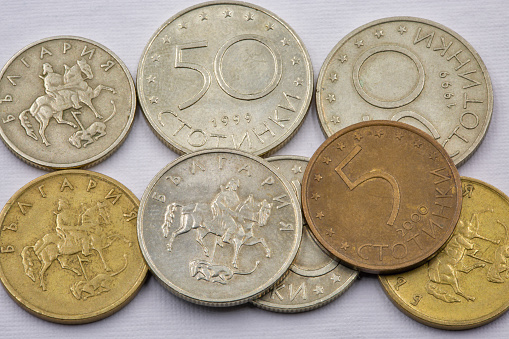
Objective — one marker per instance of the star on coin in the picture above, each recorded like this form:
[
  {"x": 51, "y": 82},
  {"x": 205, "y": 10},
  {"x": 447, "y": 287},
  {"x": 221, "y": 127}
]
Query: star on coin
[
  {"x": 359, "y": 43},
  {"x": 285, "y": 42},
  {"x": 335, "y": 278},
  {"x": 340, "y": 146},
  {"x": 183, "y": 25},
  {"x": 296, "y": 169},
  {"x": 417, "y": 144},
  {"x": 318, "y": 177},
  {"x": 399, "y": 136},
  {"x": 335, "y": 119},
  {"x": 379, "y": 33},
  {"x": 203, "y": 16},
  {"x": 151, "y": 78},
  {"x": 357, "y": 136},
  {"x": 298, "y": 82},
  {"x": 326, "y": 160},
  {"x": 155, "y": 57},
  {"x": 153, "y": 99},
  {"x": 333, "y": 77},
  {"x": 330, "y": 98},
  {"x": 379, "y": 134},
  {"x": 249, "y": 16},
  {"x": 315, "y": 196},
  {"x": 433, "y": 156},
  {"x": 343, "y": 58},
  {"x": 320, "y": 215},
  {"x": 402, "y": 30},
  {"x": 295, "y": 61},
  {"x": 344, "y": 245},
  {"x": 166, "y": 39},
  {"x": 227, "y": 13},
  {"x": 329, "y": 232},
  {"x": 318, "y": 290},
  {"x": 269, "y": 26}
]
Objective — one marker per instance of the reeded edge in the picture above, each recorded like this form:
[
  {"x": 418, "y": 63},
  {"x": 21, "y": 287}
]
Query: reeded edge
[
  {"x": 48, "y": 166},
  {"x": 264, "y": 152},
  {"x": 435, "y": 322},
  {"x": 372, "y": 268},
  {"x": 475, "y": 145},
  {"x": 218, "y": 302},
  {"x": 58, "y": 318}
]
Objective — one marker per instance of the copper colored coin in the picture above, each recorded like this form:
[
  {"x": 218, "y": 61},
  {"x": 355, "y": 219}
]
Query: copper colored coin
[{"x": 381, "y": 196}]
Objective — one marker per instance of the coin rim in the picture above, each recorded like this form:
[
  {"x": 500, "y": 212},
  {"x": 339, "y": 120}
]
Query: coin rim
[
  {"x": 347, "y": 261},
  {"x": 71, "y": 319},
  {"x": 266, "y": 150},
  {"x": 321, "y": 77},
  {"x": 178, "y": 291},
  {"x": 435, "y": 322},
  {"x": 48, "y": 166}
]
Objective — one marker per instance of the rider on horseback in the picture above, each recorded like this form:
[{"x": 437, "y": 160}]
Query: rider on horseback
[
  {"x": 224, "y": 209},
  {"x": 58, "y": 86},
  {"x": 72, "y": 235}
]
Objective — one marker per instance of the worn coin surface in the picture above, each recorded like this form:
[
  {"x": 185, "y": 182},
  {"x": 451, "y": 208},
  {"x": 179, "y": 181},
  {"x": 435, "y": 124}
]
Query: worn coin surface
[
  {"x": 411, "y": 70},
  {"x": 315, "y": 278},
  {"x": 68, "y": 247},
  {"x": 65, "y": 102},
  {"x": 225, "y": 74},
  {"x": 466, "y": 284},
  {"x": 382, "y": 196},
  {"x": 219, "y": 227}
]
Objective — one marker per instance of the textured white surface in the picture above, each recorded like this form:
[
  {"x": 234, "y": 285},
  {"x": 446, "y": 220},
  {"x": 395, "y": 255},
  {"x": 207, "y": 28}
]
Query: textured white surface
[{"x": 125, "y": 27}]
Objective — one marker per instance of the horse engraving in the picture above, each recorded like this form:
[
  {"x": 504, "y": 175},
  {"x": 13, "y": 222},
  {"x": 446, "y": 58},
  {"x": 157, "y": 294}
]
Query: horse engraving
[
  {"x": 62, "y": 92},
  {"x": 231, "y": 220},
  {"x": 70, "y": 238}
]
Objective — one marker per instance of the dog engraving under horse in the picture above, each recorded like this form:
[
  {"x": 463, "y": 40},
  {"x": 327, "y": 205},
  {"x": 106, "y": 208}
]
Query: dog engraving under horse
[
  {"x": 226, "y": 217},
  {"x": 62, "y": 92}
]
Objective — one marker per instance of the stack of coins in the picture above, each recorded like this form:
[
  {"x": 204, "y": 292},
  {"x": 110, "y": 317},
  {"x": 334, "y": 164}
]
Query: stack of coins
[{"x": 224, "y": 84}]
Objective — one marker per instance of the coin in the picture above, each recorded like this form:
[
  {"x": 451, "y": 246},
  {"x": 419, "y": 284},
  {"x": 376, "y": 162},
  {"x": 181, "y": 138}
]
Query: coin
[
  {"x": 382, "y": 196},
  {"x": 410, "y": 70},
  {"x": 465, "y": 285},
  {"x": 245, "y": 220},
  {"x": 315, "y": 278},
  {"x": 68, "y": 250},
  {"x": 225, "y": 75},
  {"x": 65, "y": 102}
]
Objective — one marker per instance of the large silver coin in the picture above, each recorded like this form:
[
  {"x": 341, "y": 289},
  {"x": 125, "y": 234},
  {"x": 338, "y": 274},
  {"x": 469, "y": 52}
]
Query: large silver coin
[
  {"x": 219, "y": 227},
  {"x": 225, "y": 74},
  {"x": 315, "y": 278},
  {"x": 410, "y": 70},
  {"x": 65, "y": 102}
]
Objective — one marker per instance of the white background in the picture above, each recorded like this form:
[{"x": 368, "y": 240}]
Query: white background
[{"x": 125, "y": 27}]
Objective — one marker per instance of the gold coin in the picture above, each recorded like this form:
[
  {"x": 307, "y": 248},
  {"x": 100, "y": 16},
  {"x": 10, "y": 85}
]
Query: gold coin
[
  {"x": 68, "y": 248},
  {"x": 466, "y": 284}
]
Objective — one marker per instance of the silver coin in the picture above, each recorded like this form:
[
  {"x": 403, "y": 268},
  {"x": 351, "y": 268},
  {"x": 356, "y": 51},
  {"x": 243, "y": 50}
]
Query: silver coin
[
  {"x": 315, "y": 278},
  {"x": 219, "y": 227},
  {"x": 65, "y": 102},
  {"x": 410, "y": 70},
  {"x": 225, "y": 75}
]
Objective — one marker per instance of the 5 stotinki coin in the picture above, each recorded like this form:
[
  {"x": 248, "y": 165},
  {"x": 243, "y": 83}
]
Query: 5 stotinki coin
[
  {"x": 219, "y": 227},
  {"x": 68, "y": 247},
  {"x": 410, "y": 70},
  {"x": 381, "y": 196},
  {"x": 466, "y": 284},
  {"x": 225, "y": 74},
  {"x": 67, "y": 102},
  {"x": 315, "y": 277}
]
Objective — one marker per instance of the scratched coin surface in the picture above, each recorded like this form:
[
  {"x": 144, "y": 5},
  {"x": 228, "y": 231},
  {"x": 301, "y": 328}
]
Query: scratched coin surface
[
  {"x": 410, "y": 70},
  {"x": 225, "y": 75},
  {"x": 219, "y": 227},
  {"x": 65, "y": 102},
  {"x": 466, "y": 284},
  {"x": 315, "y": 278},
  {"x": 382, "y": 196},
  {"x": 68, "y": 247}
]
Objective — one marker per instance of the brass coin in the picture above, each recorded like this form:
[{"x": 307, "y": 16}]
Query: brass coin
[
  {"x": 382, "y": 196},
  {"x": 466, "y": 284},
  {"x": 68, "y": 249}
]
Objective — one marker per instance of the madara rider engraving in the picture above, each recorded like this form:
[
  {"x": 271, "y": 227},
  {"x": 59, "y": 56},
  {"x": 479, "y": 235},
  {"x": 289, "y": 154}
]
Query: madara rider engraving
[
  {"x": 227, "y": 217},
  {"x": 444, "y": 268},
  {"x": 74, "y": 235},
  {"x": 62, "y": 92}
]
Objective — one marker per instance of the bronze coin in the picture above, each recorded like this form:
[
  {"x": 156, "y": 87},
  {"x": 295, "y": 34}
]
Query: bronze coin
[{"x": 381, "y": 196}]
